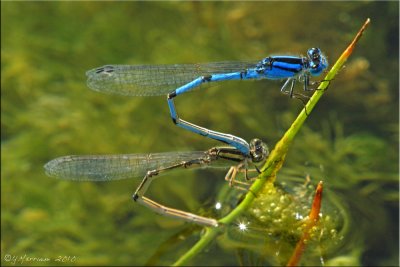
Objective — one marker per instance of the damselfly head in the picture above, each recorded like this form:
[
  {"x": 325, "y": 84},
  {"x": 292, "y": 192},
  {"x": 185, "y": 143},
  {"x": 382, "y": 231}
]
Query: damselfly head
[
  {"x": 258, "y": 150},
  {"x": 318, "y": 62}
]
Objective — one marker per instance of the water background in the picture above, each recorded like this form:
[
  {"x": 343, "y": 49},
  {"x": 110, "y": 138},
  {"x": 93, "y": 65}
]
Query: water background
[{"x": 350, "y": 141}]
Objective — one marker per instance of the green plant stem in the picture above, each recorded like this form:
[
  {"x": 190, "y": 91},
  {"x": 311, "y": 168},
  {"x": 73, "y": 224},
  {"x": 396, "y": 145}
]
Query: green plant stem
[{"x": 275, "y": 159}]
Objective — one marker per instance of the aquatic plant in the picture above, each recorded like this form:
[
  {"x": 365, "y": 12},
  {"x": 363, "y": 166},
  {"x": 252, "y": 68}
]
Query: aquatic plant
[{"x": 276, "y": 158}]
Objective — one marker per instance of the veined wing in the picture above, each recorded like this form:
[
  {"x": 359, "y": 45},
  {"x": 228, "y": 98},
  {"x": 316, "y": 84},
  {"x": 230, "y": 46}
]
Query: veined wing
[
  {"x": 115, "y": 167},
  {"x": 149, "y": 80}
]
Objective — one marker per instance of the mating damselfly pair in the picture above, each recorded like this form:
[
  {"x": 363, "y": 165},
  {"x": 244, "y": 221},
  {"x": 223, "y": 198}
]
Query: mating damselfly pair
[{"x": 172, "y": 81}]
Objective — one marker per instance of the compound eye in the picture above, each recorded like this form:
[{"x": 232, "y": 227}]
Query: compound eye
[
  {"x": 314, "y": 54},
  {"x": 258, "y": 150}
]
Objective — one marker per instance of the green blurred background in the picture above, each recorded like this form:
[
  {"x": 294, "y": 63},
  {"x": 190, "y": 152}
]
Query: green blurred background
[{"x": 350, "y": 141}]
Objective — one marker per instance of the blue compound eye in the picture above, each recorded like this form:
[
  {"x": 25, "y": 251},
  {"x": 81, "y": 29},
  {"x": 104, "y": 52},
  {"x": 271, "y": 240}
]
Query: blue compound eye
[
  {"x": 314, "y": 54},
  {"x": 318, "y": 62}
]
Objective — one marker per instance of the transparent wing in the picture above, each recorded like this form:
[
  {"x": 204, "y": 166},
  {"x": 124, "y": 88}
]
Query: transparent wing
[
  {"x": 148, "y": 80},
  {"x": 116, "y": 167}
]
